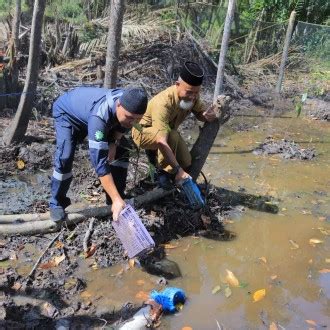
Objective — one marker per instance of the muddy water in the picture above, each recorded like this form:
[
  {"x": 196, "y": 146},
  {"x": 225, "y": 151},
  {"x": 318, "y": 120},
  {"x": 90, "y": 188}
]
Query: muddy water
[{"x": 271, "y": 252}]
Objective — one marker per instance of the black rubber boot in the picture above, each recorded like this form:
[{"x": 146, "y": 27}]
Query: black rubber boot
[{"x": 57, "y": 214}]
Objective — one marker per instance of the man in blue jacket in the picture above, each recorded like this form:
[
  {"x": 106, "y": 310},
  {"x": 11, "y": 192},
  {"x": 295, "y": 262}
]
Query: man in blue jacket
[{"x": 104, "y": 115}]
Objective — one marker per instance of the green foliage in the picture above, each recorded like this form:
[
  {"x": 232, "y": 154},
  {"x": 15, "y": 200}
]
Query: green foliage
[
  {"x": 151, "y": 172},
  {"x": 90, "y": 31},
  {"x": 5, "y": 8},
  {"x": 71, "y": 11},
  {"x": 300, "y": 103}
]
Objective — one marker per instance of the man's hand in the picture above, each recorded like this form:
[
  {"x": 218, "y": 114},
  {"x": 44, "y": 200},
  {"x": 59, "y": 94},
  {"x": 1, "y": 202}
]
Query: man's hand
[
  {"x": 181, "y": 175},
  {"x": 117, "y": 206},
  {"x": 210, "y": 114}
]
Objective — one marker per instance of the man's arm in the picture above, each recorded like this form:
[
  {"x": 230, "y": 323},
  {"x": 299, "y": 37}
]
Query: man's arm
[
  {"x": 170, "y": 158},
  {"x": 117, "y": 202},
  {"x": 99, "y": 153}
]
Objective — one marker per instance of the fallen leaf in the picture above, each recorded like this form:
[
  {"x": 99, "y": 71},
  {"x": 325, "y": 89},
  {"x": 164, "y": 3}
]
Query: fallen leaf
[
  {"x": 140, "y": 282},
  {"x": 90, "y": 251},
  {"x": 327, "y": 260},
  {"x": 231, "y": 278},
  {"x": 311, "y": 322},
  {"x": 273, "y": 277},
  {"x": 216, "y": 289},
  {"x": 258, "y": 295},
  {"x": 294, "y": 245},
  {"x": 310, "y": 261},
  {"x": 16, "y": 286},
  {"x": 314, "y": 241},
  {"x": 225, "y": 222},
  {"x": 131, "y": 263},
  {"x": 20, "y": 164},
  {"x": 227, "y": 292},
  {"x": 142, "y": 295},
  {"x": 53, "y": 262},
  {"x": 324, "y": 231},
  {"x": 322, "y": 218},
  {"x": 59, "y": 245},
  {"x": 49, "y": 310},
  {"x": 59, "y": 259},
  {"x": 187, "y": 328},
  {"x": 324, "y": 271},
  {"x": 85, "y": 294},
  {"x": 263, "y": 259},
  {"x": 13, "y": 256},
  {"x": 170, "y": 246},
  {"x": 273, "y": 326}
]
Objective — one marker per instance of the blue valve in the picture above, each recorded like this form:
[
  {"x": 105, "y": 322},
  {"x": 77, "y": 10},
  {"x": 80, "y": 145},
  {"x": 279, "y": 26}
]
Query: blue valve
[{"x": 169, "y": 298}]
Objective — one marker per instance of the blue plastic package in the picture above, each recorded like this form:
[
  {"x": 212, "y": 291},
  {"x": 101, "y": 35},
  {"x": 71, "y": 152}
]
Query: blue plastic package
[
  {"x": 193, "y": 194},
  {"x": 169, "y": 298}
]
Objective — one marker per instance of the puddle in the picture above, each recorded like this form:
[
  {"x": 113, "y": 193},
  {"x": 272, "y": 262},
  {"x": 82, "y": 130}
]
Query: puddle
[{"x": 262, "y": 256}]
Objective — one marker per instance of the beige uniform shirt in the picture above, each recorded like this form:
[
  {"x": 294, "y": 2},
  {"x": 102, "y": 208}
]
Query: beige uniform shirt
[{"x": 163, "y": 112}]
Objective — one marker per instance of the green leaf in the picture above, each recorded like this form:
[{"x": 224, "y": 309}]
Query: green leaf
[
  {"x": 298, "y": 109},
  {"x": 151, "y": 172},
  {"x": 243, "y": 285},
  {"x": 216, "y": 289},
  {"x": 138, "y": 127}
]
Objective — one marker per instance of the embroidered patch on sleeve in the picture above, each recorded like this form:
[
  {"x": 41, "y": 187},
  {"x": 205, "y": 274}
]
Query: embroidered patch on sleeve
[{"x": 99, "y": 135}]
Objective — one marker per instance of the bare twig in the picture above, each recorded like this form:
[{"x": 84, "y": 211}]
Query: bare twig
[
  {"x": 88, "y": 234},
  {"x": 31, "y": 274}
]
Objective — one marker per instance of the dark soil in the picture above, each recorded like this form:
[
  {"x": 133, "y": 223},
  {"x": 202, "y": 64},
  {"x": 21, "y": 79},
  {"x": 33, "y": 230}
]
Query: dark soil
[{"x": 286, "y": 149}]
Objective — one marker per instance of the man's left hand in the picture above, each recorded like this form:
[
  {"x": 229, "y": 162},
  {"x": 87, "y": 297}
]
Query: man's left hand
[{"x": 210, "y": 114}]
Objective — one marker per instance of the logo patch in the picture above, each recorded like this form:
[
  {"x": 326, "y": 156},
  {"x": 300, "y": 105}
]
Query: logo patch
[{"x": 99, "y": 135}]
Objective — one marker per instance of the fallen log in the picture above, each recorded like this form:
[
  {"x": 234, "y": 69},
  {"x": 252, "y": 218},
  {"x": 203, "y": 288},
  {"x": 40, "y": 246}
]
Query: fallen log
[{"x": 31, "y": 224}]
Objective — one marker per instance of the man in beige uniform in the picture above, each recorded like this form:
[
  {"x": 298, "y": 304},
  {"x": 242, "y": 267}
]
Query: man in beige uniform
[{"x": 165, "y": 112}]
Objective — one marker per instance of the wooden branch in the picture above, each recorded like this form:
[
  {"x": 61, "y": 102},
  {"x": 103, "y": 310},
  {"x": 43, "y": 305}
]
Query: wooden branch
[
  {"x": 88, "y": 234},
  {"x": 229, "y": 79},
  {"x": 31, "y": 274},
  {"x": 31, "y": 224}
]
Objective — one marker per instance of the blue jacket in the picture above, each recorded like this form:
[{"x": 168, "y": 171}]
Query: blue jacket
[{"x": 92, "y": 111}]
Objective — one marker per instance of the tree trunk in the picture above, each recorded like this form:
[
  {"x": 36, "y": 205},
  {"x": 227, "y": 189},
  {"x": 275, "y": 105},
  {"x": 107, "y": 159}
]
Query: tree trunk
[
  {"x": 16, "y": 131},
  {"x": 224, "y": 46},
  {"x": 209, "y": 131},
  {"x": 285, "y": 53},
  {"x": 114, "y": 39},
  {"x": 206, "y": 137},
  {"x": 15, "y": 41}
]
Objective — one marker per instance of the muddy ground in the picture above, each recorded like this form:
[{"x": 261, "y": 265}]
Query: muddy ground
[{"x": 52, "y": 296}]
